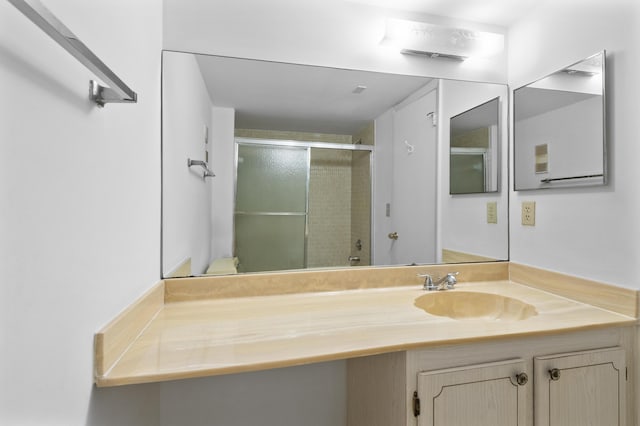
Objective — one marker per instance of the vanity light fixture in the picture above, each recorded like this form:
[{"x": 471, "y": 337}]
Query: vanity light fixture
[
  {"x": 359, "y": 89},
  {"x": 586, "y": 68},
  {"x": 579, "y": 73},
  {"x": 437, "y": 41}
]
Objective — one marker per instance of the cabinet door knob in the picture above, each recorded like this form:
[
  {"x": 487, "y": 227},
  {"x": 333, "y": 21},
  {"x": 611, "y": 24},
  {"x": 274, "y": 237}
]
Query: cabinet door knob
[
  {"x": 554, "y": 373},
  {"x": 522, "y": 379}
]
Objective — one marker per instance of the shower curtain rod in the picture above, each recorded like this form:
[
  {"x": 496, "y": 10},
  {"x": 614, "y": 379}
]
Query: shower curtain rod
[{"x": 47, "y": 22}]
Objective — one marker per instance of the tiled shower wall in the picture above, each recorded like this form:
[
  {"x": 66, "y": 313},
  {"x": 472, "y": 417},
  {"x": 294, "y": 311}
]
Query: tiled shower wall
[
  {"x": 329, "y": 239},
  {"x": 361, "y": 196},
  {"x": 361, "y": 206},
  {"x": 478, "y": 138}
]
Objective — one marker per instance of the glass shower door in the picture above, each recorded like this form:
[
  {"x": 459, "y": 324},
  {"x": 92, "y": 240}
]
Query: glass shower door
[{"x": 271, "y": 207}]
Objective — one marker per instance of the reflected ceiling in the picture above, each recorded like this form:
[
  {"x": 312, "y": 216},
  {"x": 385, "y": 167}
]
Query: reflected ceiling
[{"x": 310, "y": 99}]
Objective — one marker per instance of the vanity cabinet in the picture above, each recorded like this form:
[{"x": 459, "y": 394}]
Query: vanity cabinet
[
  {"x": 493, "y": 394},
  {"x": 583, "y": 388},
  {"x": 561, "y": 380}
]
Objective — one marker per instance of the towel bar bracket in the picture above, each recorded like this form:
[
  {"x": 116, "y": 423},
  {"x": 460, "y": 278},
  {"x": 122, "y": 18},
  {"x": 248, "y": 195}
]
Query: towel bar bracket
[
  {"x": 102, "y": 95},
  {"x": 206, "y": 173}
]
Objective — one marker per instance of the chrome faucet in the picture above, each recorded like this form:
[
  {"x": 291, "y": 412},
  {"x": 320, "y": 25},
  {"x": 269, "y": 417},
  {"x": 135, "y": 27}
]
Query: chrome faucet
[{"x": 443, "y": 283}]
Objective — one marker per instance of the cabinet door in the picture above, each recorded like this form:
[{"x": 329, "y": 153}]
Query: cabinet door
[
  {"x": 494, "y": 394},
  {"x": 580, "y": 388}
]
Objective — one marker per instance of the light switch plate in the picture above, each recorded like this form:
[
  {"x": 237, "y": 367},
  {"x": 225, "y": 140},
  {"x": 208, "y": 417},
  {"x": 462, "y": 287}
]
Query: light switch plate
[
  {"x": 529, "y": 213},
  {"x": 492, "y": 212}
]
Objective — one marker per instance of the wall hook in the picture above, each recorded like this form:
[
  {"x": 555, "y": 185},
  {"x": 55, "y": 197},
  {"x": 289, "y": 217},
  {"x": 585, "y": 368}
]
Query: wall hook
[{"x": 410, "y": 148}]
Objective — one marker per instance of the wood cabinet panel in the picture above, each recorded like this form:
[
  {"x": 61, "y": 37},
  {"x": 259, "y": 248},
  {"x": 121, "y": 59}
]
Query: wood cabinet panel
[
  {"x": 581, "y": 388},
  {"x": 479, "y": 395}
]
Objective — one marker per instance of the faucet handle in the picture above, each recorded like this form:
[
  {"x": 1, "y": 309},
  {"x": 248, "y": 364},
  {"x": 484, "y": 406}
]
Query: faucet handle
[
  {"x": 451, "y": 279},
  {"x": 428, "y": 282}
]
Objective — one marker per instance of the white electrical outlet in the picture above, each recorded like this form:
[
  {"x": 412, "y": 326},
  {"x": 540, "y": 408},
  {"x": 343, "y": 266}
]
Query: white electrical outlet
[{"x": 529, "y": 213}]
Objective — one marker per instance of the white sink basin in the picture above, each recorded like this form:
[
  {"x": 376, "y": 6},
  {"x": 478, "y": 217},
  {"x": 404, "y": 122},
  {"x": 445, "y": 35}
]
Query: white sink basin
[{"x": 469, "y": 305}]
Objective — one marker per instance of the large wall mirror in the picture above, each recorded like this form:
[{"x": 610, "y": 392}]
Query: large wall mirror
[
  {"x": 272, "y": 166},
  {"x": 559, "y": 128}
]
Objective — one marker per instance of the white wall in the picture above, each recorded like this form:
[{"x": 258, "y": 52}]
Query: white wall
[
  {"x": 313, "y": 395},
  {"x": 336, "y": 33},
  {"x": 589, "y": 232},
  {"x": 383, "y": 189},
  {"x": 79, "y": 222},
  {"x": 463, "y": 217},
  {"x": 222, "y": 160},
  {"x": 572, "y": 150},
  {"x": 414, "y": 180},
  {"x": 186, "y": 196}
]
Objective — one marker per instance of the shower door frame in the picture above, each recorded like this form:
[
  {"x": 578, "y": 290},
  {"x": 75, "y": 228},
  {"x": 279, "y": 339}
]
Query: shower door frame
[{"x": 285, "y": 143}]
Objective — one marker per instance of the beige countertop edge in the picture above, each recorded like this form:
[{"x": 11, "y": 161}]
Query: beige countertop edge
[
  {"x": 622, "y": 300},
  {"x": 113, "y": 343},
  {"x": 112, "y": 381},
  {"x": 115, "y": 337}
]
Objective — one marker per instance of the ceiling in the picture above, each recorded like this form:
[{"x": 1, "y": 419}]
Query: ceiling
[
  {"x": 481, "y": 116},
  {"x": 276, "y": 96},
  {"x": 495, "y": 12},
  {"x": 532, "y": 101},
  {"x": 272, "y": 96}
]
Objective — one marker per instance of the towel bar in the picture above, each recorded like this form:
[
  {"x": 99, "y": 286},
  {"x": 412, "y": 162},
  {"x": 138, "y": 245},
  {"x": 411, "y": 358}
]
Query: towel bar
[{"x": 47, "y": 22}]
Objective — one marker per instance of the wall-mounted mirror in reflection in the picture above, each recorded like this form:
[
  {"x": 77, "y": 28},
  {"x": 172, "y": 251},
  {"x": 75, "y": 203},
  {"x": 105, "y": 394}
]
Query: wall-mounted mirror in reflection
[
  {"x": 473, "y": 149},
  {"x": 559, "y": 128},
  {"x": 314, "y": 168}
]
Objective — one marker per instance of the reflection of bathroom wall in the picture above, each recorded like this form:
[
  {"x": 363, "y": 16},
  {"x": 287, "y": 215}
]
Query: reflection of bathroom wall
[
  {"x": 222, "y": 162},
  {"x": 382, "y": 178},
  {"x": 573, "y": 150},
  {"x": 329, "y": 239},
  {"x": 367, "y": 135},
  {"x": 361, "y": 197},
  {"x": 186, "y": 196},
  {"x": 361, "y": 206},
  {"x": 463, "y": 218}
]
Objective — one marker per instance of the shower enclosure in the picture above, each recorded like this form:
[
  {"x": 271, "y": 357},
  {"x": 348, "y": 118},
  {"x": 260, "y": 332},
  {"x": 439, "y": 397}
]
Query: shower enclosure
[{"x": 301, "y": 205}]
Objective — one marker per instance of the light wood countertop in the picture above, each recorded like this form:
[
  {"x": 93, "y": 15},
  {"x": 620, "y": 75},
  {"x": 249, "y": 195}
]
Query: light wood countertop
[{"x": 200, "y": 338}]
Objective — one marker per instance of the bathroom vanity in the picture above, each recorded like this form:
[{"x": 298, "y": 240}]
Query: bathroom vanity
[
  {"x": 566, "y": 379},
  {"x": 491, "y": 335}
]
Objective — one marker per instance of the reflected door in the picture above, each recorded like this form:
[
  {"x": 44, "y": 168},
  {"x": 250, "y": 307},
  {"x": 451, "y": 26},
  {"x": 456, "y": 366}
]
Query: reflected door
[
  {"x": 413, "y": 210},
  {"x": 271, "y": 207}
]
